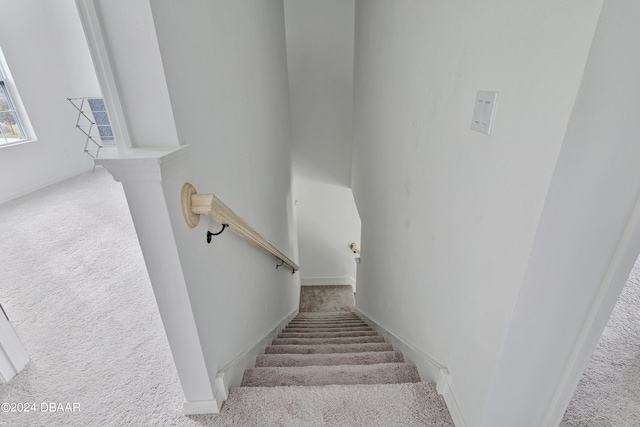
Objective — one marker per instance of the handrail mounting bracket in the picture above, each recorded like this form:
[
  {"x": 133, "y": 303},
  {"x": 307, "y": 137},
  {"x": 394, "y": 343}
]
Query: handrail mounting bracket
[{"x": 192, "y": 218}]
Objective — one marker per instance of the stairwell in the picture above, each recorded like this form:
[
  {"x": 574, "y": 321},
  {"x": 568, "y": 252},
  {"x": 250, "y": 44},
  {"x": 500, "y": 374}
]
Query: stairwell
[{"x": 332, "y": 369}]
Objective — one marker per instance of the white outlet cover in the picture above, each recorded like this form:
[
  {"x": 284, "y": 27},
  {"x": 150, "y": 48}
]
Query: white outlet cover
[{"x": 483, "y": 112}]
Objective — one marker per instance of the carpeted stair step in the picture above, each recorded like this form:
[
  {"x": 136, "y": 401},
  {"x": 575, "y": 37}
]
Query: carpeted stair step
[
  {"x": 407, "y": 404},
  {"x": 345, "y": 329},
  {"x": 315, "y": 322},
  {"x": 385, "y": 373},
  {"x": 325, "y": 319},
  {"x": 325, "y": 313},
  {"x": 327, "y": 334},
  {"x": 347, "y": 316},
  {"x": 367, "y": 358},
  {"x": 334, "y": 316},
  {"x": 327, "y": 325},
  {"x": 316, "y": 341},
  {"x": 329, "y": 319},
  {"x": 317, "y": 315},
  {"x": 328, "y": 348}
]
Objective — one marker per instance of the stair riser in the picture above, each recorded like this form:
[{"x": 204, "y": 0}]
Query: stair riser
[
  {"x": 325, "y": 313},
  {"x": 312, "y": 330},
  {"x": 316, "y": 341},
  {"x": 330, "y": 327},
  {"x": 315, "y": 322},
  {"x": 388, "y": 373},
  {"x": 327, "y": 325},
  {"x": 327, "y": 348},
  {"x": 370, "y": 358},
  {"x": 331, "y": 321},
  {"x": 327, "y": 334}
]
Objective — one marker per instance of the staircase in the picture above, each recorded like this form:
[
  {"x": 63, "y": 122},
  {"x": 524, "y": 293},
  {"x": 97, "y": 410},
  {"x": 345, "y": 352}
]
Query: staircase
[{"x": 332, "y": 369}]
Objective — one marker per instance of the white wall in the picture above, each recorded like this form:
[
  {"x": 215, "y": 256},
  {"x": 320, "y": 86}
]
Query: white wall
[
  {"x": 449, "y": 215},
  {"x": 328, "y": 222},
  {"x": 581, "y": 237},
  {"x": 129, "y": 33},
  {"x": 320, "y": 65},
  {"x": 44, "y": 46},
  {"x": 225, "y": 64}
]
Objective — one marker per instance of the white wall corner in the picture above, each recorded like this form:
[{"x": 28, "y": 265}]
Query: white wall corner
[
  {"x": 444, "y": 388},
  {"x": 428, "y": 367},
  {"x": 324, "y": 281},
  {"x": 231, "y": 374}
]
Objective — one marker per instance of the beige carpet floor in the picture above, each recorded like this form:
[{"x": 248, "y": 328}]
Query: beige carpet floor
[
  {"x": 608, "y": 394},
  {"x": 75, "y": 287}
]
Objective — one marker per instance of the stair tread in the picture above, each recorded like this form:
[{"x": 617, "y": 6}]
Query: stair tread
[
  {"x": 330, "y": 324},
  {"x": 325, "y": 313},
  {"x": 326, "y": 325},
  {"x": 326, "y": 340},
  {"x": 346, "y": 329},
  {"x": 407, "y": 404},
  {"x": 385, "y": 373},
  {"x": 327, "y": 334},
  {"x": 326, "y": 321},
  {"x": 328, "y": 348},
  {"x": 365, "y": 358}
]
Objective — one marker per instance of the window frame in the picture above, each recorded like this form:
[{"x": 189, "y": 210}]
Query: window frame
[{"x": 16, "y": 108}]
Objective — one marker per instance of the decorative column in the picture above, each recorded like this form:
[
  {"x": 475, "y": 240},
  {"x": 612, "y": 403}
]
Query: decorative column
[{"x": 142, "y": 172}]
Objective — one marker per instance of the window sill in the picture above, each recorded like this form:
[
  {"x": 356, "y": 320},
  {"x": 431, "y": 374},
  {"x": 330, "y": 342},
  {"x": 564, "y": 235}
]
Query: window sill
[{"x": 13, "y": 144}]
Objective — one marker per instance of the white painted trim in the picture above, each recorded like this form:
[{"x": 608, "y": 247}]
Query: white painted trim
[
  {"x": 231, "y": 374},
  {"x": 324, "y": 281},
  {"x": 452, "y": 404},
  {"x": 42, "y": 185},
  {"x": 428, "y": 367},
  {"x": 89, "y": 16},
  {"x": 13, "y": 357},
  {"x": 612, "y": 284},
  {"x": 202, "y": 407},
  {"x": 145, "y": 164},
  {"x": 142, "y": 172}
]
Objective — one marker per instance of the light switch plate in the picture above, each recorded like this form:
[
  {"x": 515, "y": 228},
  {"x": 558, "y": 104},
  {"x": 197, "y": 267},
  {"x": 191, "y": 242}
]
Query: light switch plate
[{"x": 484, "y": 111}]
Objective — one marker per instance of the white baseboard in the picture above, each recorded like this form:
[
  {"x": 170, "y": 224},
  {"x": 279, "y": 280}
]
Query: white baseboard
[
  {"x": 428, "y": 367},
  {"x": 231, "y": 374},
  {"x": 324, "y": 281},
  {"x": 444, "y": 388},
  {"x": 41, "y": 185},
  {"x": 202, "y": 407}
]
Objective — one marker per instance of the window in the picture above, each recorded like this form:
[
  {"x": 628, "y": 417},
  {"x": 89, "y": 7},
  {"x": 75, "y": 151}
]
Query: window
[{"x": 12, "y": 130}]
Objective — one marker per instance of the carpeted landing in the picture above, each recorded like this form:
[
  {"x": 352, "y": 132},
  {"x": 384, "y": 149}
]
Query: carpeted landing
[{"x": 332, "y": 369}]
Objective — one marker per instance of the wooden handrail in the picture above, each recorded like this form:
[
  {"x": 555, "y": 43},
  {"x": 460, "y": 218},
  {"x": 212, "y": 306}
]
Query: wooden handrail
[{"x": 194, "y": 205}]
